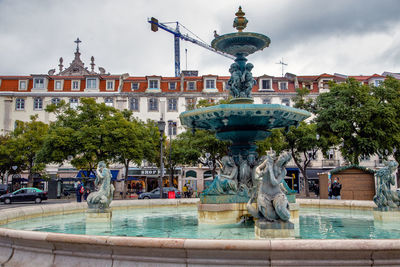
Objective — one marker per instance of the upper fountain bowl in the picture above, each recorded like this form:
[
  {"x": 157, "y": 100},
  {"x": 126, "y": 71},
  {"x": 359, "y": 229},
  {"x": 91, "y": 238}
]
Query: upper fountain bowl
[{"x": 240, "y": 43}]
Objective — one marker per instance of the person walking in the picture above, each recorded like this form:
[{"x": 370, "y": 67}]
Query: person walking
[
  {"x": 79, "y": 191},
  {"x": 86, "y": 194},
  {"x": 335, "y": 189}
]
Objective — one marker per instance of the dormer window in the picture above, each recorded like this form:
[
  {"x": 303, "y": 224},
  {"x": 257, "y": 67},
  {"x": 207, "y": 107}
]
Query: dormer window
[
  {"x": 153, "y": 84},
  {"x": 91, "y": 83},
  {"x": 75, "y": 85},
  {"x": 134, "y": 86},
  {"x": 38, "y": 83},
  {"x": 266, "y": 84},
  {"x": 110, "y": 85},
  {"x": 22, "y": 85},
  {"x": 378, "y": 83},
  {"x": 58, "y": 84},
  {"x": 191, "y": 85},
  {"x": 283, "y": 85},
  {"x": 210, "y": 84},
  {"x": 172, "y": 85}
]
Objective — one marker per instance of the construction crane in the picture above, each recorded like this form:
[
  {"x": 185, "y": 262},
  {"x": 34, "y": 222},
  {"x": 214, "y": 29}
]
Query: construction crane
[{"x": 177, "y": 36}]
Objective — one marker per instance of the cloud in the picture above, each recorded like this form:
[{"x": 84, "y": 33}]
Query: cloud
[{"x": 313, "y": 36}]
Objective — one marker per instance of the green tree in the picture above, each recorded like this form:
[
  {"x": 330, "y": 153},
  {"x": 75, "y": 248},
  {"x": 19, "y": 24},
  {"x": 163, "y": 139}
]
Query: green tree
[
  {"x": 363, "y": 120},
  {"x": 27, "y": 140}
]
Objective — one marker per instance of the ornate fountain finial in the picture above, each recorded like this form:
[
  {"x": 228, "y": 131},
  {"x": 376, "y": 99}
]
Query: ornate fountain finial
[{"x": 240, "y": 21}]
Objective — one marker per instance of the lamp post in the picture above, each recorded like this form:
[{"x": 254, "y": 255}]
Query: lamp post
[
  {"x": 171, "y": 124},
  {"x": 161, "y": 128}
]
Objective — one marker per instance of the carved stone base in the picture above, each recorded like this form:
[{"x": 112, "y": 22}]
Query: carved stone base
[
  {"x": 221, "y": 213},
  {"x": 386, "y": 214},
  {"x": 94, "y": 215},
  {"x": 278, "y": 229}
]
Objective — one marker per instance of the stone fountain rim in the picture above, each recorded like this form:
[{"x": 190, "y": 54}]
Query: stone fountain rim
[{"x": 20, "y": 245}]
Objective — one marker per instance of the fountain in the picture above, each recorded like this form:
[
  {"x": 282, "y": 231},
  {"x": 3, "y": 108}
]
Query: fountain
[{"x": 230, "y": 197}]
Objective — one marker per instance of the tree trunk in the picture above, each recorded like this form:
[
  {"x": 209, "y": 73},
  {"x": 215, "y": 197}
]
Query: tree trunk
[
  {"x": 305, "y": 179},
  {"x": 30, "y": 176}
]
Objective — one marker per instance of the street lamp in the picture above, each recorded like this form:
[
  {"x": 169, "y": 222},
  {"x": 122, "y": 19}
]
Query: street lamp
[
  {"x": 171, "y": 124},
  {"x": 161, "y": 128}
]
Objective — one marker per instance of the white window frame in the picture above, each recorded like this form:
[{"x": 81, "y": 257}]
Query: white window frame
[
  {"x": 172, "y": 85},
  {"x": 109, "y": 101},
  {"x": 91, "y": 85},
  {"x": 112, "y": 82},
  {"x": 188, "y": 85},
  {"x": 136, "y": 84},
  {"x": 378, "y": 82},
  {"x": 210, "y": 80},
  {"x": 308, "y": 83},
  {"x": 72, "y": 103},
  {"x": 175, "y": 105},
  {"x": 172, "y": 128},
  {"x": 35, "y": 83},
  {"x": 150, "y": 109},
  {"x": 20, "y": 87},
  {"x": 61, "y": 85},
  {"x": 20, "y": 104},
  {"x": 152, "y": 81},
  {"x": 72, "y": 85},
  {"x": 137, "y": 104},
  {"x": 282, "y": 88},
  {"x": 38, "y": 103},
  {"x": 55, "y": 100},
  {"x": 265, "y": 89}
]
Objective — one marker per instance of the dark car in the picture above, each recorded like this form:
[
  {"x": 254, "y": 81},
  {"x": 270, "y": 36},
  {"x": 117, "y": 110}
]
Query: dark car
[
  {"x": 24, "y": 194},
  {"x": 155, "y": 193},
  {"x": 3, "y": 189}
]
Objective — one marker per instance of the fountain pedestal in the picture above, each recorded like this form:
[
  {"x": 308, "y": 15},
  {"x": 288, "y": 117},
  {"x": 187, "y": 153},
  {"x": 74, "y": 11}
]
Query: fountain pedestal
[
  {"x": 98, "y": 215},
  {"x": 386, "y": 214},
  {"x": 278, "y": 229}
]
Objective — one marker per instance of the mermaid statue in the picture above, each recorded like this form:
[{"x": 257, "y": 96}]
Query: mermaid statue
[
  {"x": 101, "y": 199},
  {"x": 272, "y": 204},
  {"x": 226, "y": 182}
]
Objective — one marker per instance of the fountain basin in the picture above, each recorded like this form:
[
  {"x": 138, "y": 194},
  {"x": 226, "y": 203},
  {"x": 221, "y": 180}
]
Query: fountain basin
[{"x": 29, "y": 248}]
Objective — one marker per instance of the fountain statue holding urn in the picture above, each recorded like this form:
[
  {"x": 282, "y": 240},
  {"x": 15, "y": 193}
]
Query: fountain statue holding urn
[{"x": 101, "y": 199}]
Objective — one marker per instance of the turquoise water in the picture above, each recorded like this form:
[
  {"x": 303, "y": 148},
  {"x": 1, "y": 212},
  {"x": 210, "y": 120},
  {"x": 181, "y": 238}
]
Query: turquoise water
[{"x": 182, "y": 223}]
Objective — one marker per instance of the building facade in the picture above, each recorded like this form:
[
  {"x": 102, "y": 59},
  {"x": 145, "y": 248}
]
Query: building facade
[{"x": 154, "y": 97}]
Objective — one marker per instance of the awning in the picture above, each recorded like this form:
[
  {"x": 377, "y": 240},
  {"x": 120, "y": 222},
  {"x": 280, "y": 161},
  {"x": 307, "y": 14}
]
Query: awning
[
  {"x": 83, "y": 174},
  {"x": 132, "y": 178},
  {"x": 313, "y": 173}
]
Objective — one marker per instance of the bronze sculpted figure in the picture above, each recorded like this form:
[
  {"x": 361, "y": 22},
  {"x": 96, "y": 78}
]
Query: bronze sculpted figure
[
  {"x": 226, "y": 183},
  {"x": 272, "y": 203},
  {"x": 386, "y": 198},
  {"x": 101, "y": 199}
]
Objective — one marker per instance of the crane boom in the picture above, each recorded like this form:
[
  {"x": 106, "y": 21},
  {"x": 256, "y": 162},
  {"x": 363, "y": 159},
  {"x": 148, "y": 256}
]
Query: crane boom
[{"x": 177, "y": 36}]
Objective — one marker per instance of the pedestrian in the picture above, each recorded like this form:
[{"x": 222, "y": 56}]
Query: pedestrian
[
  {"x": 316, "y": 189},
  {"x": 79, "y": 191},
  {"x": 335, "y": 189},
  {"x": 86, "y": 194},
  {"x": 185, "y": 190}
]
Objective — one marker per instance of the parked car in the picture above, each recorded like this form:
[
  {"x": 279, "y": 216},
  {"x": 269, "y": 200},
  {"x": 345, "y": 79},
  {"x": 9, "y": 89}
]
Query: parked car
[
  {"x": 155, "y": 193},
  {"x": 3, "y": 189},
  {"x": 24, "y": 194}
]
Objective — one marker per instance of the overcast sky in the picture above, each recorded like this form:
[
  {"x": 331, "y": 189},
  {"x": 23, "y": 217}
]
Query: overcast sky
[{"x": 312, "y": 36}]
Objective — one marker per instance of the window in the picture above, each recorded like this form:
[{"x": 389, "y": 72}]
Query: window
[
  {"x": 58, "y": 85},
  {"x": 191, "y": 85},
  {"x": 172, "y": 104},
  {"x": 91, "y": 83},
  {"x": 365, "y": 158},
  {"x": 378, "y": 83},
  {"x": 134, "y": 86},
  {"x": 110, "y": 85},
  {"x": 55, "y": 101},
  {"x": 153, "y": 104},
  {"x": 307, "y": 86},
  {"x": 266, "y": 84},
  {"x": 73, "y": 102},
  {"x": 134, "y": 104},
  {"x": 330, "y": 154},
  {"x": 109, "y": 101},
  {"x": 210, "y": 84},
  {"x": 19, "y": 104},
  {"x": 37, "y": 103},
  {"x": 153, "y": 84},
  {"x": 171, "y": 128},
  {"x": 172, "y": 86},
  {"x": 22, "y": 85},
  {"x": 283, "y": 85},
  {"x": 286, "y": 102},
  {"x": 325, "y": 84},
  {"x": 75, "y": 85},
  {"x": 38, "y": 83},
  {"x": 266, "y": 101},
  {"x": 190, "y": 103}
]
